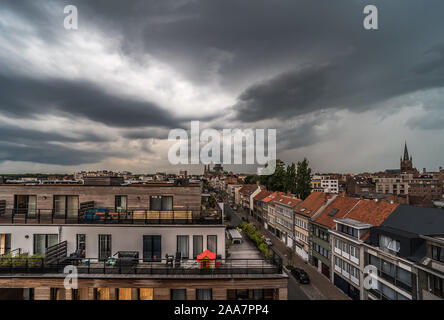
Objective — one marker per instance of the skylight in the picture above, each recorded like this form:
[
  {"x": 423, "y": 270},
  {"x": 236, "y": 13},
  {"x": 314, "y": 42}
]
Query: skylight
[{"x": 333, "y": 212}]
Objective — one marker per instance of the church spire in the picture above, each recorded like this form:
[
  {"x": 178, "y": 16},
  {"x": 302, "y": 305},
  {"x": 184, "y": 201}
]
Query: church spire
[{"x": 406, "y": 152}]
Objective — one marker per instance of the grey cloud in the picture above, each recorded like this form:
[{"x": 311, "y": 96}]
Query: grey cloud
[
  {"x": 46, "y": 153},
  {"x": 23, "y": 97}
]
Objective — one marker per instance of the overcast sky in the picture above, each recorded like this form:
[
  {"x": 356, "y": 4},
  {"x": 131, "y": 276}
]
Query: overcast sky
[{"x": 106, "y": 95}]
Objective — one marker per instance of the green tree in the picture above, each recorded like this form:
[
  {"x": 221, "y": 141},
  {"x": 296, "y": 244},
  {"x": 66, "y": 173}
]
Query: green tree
[
  {"x": 275, "y": 181},
  {"x": 303, "y": 180},
  {"x": 290, "y": 179}
]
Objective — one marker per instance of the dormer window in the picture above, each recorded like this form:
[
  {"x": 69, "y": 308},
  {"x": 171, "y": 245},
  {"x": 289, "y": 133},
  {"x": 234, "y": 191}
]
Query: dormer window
[
  {"x": 348, "y": 230},
  {"x": 438, "y": 253},
  {"x": 389, "y": 245}
]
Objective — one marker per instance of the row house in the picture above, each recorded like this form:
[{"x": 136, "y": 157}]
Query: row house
[
  {"x": 258, "y": 211},
  {"x": 268, "y": 211},
  {"x": 309, "y": 209},
  {"x": 247, "y": 193},
  {"x": 337, "y": 233},
  {"x": 407, "y": 255},
  {"x": 347, "y": 238},
  {"x": 284, "y": 207},
  {"x": 320, "y": 226}
]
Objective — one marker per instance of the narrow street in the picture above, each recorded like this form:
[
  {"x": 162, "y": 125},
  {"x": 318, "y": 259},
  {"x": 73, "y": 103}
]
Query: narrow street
[{"x": 320, "y": 288}]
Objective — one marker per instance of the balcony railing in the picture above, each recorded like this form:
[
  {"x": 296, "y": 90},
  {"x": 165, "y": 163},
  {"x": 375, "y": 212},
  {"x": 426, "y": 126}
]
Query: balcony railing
[
  {"x": 140, "y": 267},
  {"x": 110, "y": 216}
]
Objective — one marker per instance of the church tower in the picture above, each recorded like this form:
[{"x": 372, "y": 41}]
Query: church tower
[{"x": 406, "y": 161}]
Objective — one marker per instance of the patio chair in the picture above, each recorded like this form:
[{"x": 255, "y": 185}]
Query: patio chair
[
  {"x": 169, "y": 259},
  {"x": 178, "y": 258}
]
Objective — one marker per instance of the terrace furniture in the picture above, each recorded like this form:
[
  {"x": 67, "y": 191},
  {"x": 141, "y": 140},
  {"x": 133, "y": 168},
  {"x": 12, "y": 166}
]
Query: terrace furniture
[
  {"x": 127, "y": 258},
  {"x": 178, "y": 259},
  {"x": 169, "y": 259}
]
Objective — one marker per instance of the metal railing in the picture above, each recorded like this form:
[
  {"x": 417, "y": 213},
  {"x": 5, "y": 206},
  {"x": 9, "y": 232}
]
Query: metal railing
[
  {"x": 141, "y": 266},
  {"x": 111, "y": 216}
]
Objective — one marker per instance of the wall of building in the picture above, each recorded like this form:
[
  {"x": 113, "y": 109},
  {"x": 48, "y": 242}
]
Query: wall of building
[
  {"x": 124, "y": 238},
  {"x": 104, "y": 196}
]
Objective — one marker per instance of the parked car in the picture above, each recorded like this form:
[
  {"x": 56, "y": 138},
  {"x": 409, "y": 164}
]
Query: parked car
[
  {"x": 268, "y": 242},
  {"x": 300, "y": 275}
]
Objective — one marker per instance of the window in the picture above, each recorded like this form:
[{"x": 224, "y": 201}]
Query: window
[
  {"x": 178, "y": 294},
  {"x": 104, "y": 246},
  {"x": 25, "y": 204},
  {"x": 389, "y": 245},
  {"x": 183, "y": 246},
  {"x": 212, "y": 243},
  {"x": 438, "y": 253},
  {"x": 66, "y": 205},
  {"x": 152, "y": 250},
  {"x": 161, "y": 203},
  {"x": 43, "y": 241},
  {"x": 437, "y": 285},
  {"x": 5, "y": 243},
  {"x": 203, "y": 294},
  {"x": 197, "y": 246},
  {"x": 121, "y": 203},
  {"x": 81, "y": 242}
]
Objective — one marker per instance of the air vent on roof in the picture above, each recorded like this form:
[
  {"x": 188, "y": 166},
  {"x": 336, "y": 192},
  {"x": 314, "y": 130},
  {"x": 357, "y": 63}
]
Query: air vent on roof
[
  {"x": 303, "y": 209},
  {"x": 333, "y": 212}
]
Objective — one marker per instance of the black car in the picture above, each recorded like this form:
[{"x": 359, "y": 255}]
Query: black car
[{"x": 300, "y": 275}]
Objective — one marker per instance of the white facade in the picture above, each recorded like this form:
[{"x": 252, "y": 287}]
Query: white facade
[{"x": 123, "y": 237}]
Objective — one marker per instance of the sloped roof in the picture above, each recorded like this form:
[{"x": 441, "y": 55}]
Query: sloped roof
[
  {"x": 340, "y": 206},
  {"x": 418, "y": 220},
  {"x": 261, "y": 195},
  {"x": 371, "y": 211},
  {"x": 287, "y": 200},
  {"x": 313, "y": 203},
  {"x": 247, "y": 188},
  {"x": 272, "y": 196}
]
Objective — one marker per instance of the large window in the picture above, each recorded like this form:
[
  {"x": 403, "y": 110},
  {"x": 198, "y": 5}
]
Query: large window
[
  {"x": 183, "y": 246},
  {"x": 152, "y": 250},
  {"x": 203, "y": 294},
  {"x": 25, "y": 204},
  {"x": 121, "y": 203},
  {"x": 389, "y": 245},
  {"x": 197, "y": 246},
  {"x": 104, "y": 246},
  {"x": 212, "y": 243},
  {"x": 43, "y": 241},
  {"x": 66, "y": 205},
  {"x": 438, "y": 253},
  {"x": 161, "y": 203},
  {"x": 348, "y": 230},
  {"x": 394, "y": 274},
  {"x": 5, "y": 243},
  {"x": 178, "y": 294}
]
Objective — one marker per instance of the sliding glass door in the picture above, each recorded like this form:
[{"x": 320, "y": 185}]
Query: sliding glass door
[
  {"x": 43, "y": 241},
  {"x": 197, "y": 246},
  {"x": 152, "y": 250},
  {"x": 104, "y": 246},
  {"x": 183, "y": 246}
]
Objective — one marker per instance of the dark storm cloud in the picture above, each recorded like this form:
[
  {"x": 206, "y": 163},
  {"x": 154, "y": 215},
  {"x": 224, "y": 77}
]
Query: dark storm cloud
[
  {"x": 23, "y": 97},
  {"x": 49, "y": 154},
  {"x": 282, "y": 59},
  {"x": 291, "y": 40},
  {"x": 26, "y": 135}
]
